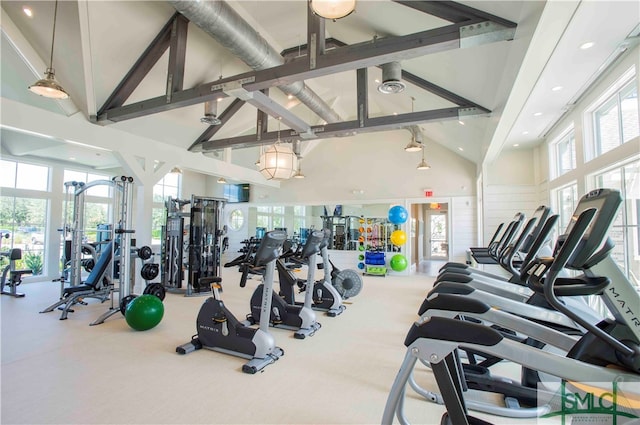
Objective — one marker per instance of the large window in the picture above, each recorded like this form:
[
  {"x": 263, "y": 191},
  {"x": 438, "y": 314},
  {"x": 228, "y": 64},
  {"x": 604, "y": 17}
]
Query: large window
[
  {"x": 565, "y": 200},
  {"x": 24, "y": 218},
  {"x": 564, "y": 153},
  {"x": 80, "y": 176},
  {"x": 615, "y": 118},
  {"x": 625, "y": 231},
  {"x": 299, "y": 218},
  {"x": 97, "y": 201},
  {"x": 169, "y": 186},
  {"x": 19, "y": 175},
  {"x": 270, "y": 217}
]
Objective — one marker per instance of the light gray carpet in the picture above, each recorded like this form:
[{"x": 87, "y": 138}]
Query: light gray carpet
[{"x": 67, "y": 372}]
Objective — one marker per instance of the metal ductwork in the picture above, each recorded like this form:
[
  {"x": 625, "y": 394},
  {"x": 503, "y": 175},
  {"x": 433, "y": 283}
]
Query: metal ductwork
[
  {"x": 228, "y": 28},
  {"x": 416, "y": 132},
  {"x": 391, "y": 78},
  {"x": 211, "y": 113}
]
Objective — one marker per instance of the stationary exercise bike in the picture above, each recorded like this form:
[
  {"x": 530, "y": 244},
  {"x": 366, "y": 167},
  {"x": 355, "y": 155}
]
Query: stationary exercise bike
[
  {"x": 325, "y": 296},
  {"x": 298, "y": 318},
  {"x": 219, "y": 330},
  {"x": 14, "y": 276}
]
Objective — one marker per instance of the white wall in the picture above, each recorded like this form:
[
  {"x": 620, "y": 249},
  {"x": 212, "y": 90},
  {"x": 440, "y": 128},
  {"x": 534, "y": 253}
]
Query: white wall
[
  {"x": 509, "y": 187},
  {"x": 341, "y": 165},
  {"x": 464, "y": 227}
]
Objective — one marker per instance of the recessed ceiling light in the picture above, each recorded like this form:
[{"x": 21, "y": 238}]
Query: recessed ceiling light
[
  {"x": 515, "y": 145},
  {"x": 537, "y": 114},
  {"x": 395, "y": 113},
  {"x": 525, "y": 132},
  {"x": 556, "y": 88},
  {"x": 72, "y": 158},
  {"x": 290, "y": 97},
  {"x": 27, "y": 11},
  {"x": 587, "y": 45},
  {"x": 460, "y": 122},
  {"x": 460, "y": 149},
  {"x": 219, "y": 99}
]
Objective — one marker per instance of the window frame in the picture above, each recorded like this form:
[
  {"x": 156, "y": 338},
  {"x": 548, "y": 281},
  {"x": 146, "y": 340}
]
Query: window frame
[
  {"x": 568, "y": 135},
  {"x": 593, "y": 144}
]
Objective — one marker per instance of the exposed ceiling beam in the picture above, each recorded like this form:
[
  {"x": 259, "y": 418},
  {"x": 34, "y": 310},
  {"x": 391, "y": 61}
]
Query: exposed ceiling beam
[
  {"x": 177, "y": 53},
  {"x": 271, "y": 107},
  {"x": 87, "y": 59},
  {"x": 346, "y": 58},
  {"x": 141, "y": 68},
  {"x": 346, "y": 128},
  {"x": 439, "y": 91},
  {"x": 315, "y": 37},
  {"x": 454, "y": 12},
  {"x": 262, "y": 120},
  {"x": 363, "y": 97}
]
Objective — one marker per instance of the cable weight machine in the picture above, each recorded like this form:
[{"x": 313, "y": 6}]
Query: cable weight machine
[{"x": 192, "y": 250}]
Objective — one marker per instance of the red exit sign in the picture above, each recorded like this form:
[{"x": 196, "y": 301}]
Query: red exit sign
[{"x": 428, "y": 193}]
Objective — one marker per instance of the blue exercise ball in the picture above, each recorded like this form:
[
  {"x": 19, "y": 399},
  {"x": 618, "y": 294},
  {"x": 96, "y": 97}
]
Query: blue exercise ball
[
  {"x": 398, "y": 214},
  {"x": 144, "y": 312}
]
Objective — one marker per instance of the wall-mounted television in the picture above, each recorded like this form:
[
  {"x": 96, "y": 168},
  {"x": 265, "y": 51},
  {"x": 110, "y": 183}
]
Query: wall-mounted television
[{"x": 236, "y": 192}]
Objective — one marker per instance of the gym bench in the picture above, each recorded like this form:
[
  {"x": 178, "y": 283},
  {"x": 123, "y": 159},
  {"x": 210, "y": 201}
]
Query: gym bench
[{"x": 93, "y": 287}]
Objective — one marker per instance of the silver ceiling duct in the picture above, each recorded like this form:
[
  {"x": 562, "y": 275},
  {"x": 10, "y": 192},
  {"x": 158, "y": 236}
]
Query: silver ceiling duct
[
  {"x": 228, "y": 28},
  {"x": 391, "y": 82}
]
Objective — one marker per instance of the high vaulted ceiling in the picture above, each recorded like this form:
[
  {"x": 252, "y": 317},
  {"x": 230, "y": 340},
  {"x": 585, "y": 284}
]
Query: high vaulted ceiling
[{"x": 98, "y": 42}]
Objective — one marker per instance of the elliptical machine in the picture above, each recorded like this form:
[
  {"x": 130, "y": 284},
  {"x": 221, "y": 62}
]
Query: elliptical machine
[
  {"x": 219, "y": 330},
  {"x": 298, "y": 318},
  {"x": 325, "y": 296}
]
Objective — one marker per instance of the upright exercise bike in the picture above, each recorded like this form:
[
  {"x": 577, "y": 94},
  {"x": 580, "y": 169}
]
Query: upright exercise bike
[
  {"x": 219, "y": 330},
  {"x": 298, "y": 318},
  {"x": 325, "y": 296}
]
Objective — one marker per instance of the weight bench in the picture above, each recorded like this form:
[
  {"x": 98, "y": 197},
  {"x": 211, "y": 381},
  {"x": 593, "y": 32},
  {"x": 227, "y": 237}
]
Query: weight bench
[{"x": 92, "y": 287}]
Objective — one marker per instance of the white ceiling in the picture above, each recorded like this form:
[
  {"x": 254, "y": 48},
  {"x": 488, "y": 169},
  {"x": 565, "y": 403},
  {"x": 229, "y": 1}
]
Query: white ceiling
[{"x": 97, "y": 42}]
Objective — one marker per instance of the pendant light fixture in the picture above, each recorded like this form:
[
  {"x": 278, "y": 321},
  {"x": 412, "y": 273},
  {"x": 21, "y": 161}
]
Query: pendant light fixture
[
  {"x": 278, "y": 161},
  {"x": 413, "y": 146},
  {"x": 332, "y": 9},
  {"x": 222, "y": 180},
  {"x": 423, "y": 164},
  {"x": 48, "y": 86}
]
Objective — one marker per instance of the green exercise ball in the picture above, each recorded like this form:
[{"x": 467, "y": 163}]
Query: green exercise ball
[
  {"x": 398, "y": 262},
  {"x": 144, "y": 312}
]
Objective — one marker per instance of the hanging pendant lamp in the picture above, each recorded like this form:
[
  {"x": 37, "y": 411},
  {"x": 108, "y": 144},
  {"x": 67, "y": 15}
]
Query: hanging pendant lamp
[
  {"x": 413, "y": 146},
  {"x": 278, "y": 161},
  {"x": 48, "y": 86},
  {"x": 423, "y": 164},
  {"x": 332, "y": 9}
]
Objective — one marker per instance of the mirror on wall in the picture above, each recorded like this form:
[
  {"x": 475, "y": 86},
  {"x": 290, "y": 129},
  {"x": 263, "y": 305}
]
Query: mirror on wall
[{"x": 351, "y": 225}]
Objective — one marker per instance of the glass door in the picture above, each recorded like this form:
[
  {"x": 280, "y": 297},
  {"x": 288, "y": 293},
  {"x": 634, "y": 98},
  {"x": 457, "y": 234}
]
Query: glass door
[{"x": 438, "y": 246}]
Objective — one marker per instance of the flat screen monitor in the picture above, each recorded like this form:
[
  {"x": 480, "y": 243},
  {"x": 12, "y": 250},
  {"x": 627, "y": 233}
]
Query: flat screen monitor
[{"x": 237, "y": 192}]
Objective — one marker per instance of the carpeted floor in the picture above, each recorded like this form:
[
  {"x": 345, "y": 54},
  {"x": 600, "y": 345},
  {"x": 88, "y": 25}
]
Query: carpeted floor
[{"x": 67, "y": 372}]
